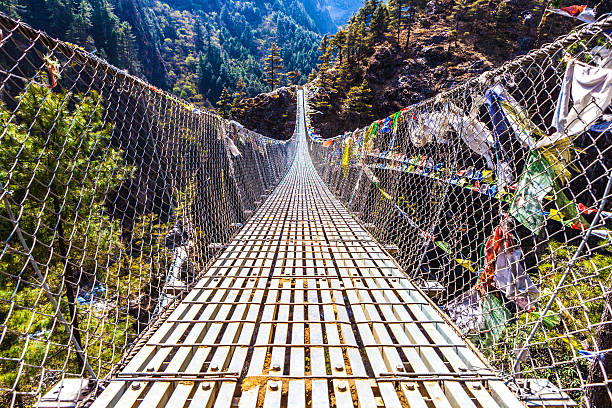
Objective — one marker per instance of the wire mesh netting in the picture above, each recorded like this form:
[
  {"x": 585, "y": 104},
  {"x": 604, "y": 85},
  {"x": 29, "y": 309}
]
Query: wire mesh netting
[
  {"x": 495, "y": 197},
  {"x": 114, "y": 197}
]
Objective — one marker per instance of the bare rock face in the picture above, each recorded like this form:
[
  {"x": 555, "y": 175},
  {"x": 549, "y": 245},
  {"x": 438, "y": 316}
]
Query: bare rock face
[{"x": 271, "y": 114}]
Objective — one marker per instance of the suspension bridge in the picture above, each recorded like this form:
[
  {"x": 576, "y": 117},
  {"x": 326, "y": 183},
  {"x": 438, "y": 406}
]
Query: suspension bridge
[
  {"x": 304, "y": 305},
  {"x": 454, "y": 254}
]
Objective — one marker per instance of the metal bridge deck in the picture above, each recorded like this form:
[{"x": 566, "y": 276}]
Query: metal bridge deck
[{"x": 304, "y": 309}]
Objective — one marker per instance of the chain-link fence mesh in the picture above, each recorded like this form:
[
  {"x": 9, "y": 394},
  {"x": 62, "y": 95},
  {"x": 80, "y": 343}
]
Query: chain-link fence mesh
[
  {"x": 114, "y": 196},
  {"x": 496, "y": 197}
]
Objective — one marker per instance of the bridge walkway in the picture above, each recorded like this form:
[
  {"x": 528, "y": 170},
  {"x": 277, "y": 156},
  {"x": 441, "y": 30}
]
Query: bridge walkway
[{"x": 305, "y": 309}]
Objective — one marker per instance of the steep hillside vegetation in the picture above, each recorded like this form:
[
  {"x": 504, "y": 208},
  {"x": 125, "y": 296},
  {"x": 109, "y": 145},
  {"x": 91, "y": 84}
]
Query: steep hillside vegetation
[
  {"x": 385, "y": 59},
  {"x": 271, "y": 114},
  {"x": 191, "y": 47}
]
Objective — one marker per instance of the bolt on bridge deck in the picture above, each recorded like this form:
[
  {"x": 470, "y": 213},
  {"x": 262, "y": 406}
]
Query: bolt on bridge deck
[{"x": 304, "y": 309}]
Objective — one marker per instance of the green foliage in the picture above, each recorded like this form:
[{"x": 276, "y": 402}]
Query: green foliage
[
  {"x": 192, "y": 49},
  {"x": 225, "y": 103},
  {"x": 273, "y": 67},
  {"x": 380, "y": 21},
  {"x": 358, "y": 100},
  {"x": 293, "y": 77},
  {"x": 60, "y": 142},
  {"x": 337, "y": 43},
  {"x": 398, "y": 15},
  {"x": 569, "y": 326},
  {"x": 231, "y": 43},
  {"x": 238, "y": 95},
  {"x": 502, "y": 15},
  {"x": 9, "y": 8}
]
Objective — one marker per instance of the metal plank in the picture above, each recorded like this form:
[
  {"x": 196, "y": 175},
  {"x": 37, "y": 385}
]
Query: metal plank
[{"x": 253, "y": 380}]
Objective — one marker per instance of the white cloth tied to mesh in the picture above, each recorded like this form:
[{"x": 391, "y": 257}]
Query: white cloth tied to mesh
[
  {"x": 590, "y": 89},
  {"x": 517, "y": 117},
  {"x": 474, "y": 133},
  {"x": 466, "y": 311},
  {"x": 509, "y": 276},
  {"x": 428, "y": 127},
  {"x": 420, "y": 134},
  {"x": 602, "y": 56},
  {"x": 231, "y": 146},
  {"x": 587, "y": 14},
  {"x": 512, "y": 280}
]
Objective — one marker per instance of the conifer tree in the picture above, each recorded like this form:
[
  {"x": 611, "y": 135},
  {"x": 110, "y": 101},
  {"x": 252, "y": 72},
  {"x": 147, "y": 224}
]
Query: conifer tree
[
  {"x": 126, "y": 48},
  {"x": 60, "y": 16},
  {"x": 273, "y": 66},
  {"x": 398, "y": 13},
  {"x": 337, "y": 43},
  {"x": 325, "y": 65},
  {"x": 410, "y": 12},
  {"x": 239, "y": 94},
  {"x": 240, "y": 89},
  {"x": 225, "y": 103},
  {"x": 294, "y": 77},
  {"x": 350, "y": 38},
  {"x": 358, "y": 100},
  {"x": 70, "y": 168},
  {"x": 325, "y": 50},
  {"x": 380, "y": 22},
  {"x": 81, "y": 25},
  {"x": 312, "y": 76},
  {"x": 199, "y": 36},
  {"x": 366, "y": 13},
  {"x": 360, "y": 38},
  {"x": 347, "y": 73}
]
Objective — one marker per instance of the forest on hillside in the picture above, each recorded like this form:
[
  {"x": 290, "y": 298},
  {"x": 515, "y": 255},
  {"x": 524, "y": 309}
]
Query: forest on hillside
[
  {"x": 396, "y": 53},
  {"x": 192, "y": 48}
]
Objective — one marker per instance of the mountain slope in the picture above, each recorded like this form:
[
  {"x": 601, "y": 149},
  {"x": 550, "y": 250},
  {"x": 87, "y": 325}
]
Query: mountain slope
[
  {"x": 192, "y": 48},
  {"x": 341, "y": 10},
  {"x": 367, "y": 71}
]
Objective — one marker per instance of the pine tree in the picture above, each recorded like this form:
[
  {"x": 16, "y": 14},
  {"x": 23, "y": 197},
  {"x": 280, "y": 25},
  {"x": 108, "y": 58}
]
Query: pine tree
[
  {"x": 126, "y": 48},
  {"x": 380, "y": 22},
  {"x": 60, "y": 17},
  {"x": 366, "y": 12},
  {"x": 325, "y": 50},
  {"x": 322, "y": 101},
  {"x": 361, "y": 38},
  {"x": 338, "y": 42},
  {"x": 325, "y": 57},
  {"x": 294, "y": 77},
  {"x": 347, "y": 73},
  {"x": 225, "y": 103},
  {"x": 350, "y": 38},
  {"x": 312, "y": 76},
  {"x": 398, "y": 13},
  {"x": 64, "y": 133},
  {"x": 273, "y": 66},
  {"x": 358, "y": 100},
  {"x": 239, "y": 95},
  {"x": 502, "y": 15},
  {"x": 240, "y": 89},
  {"x": 104, "y": 29},
  {"x": 81, "y": 25},
  {"x": 199, "y": 36}
]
